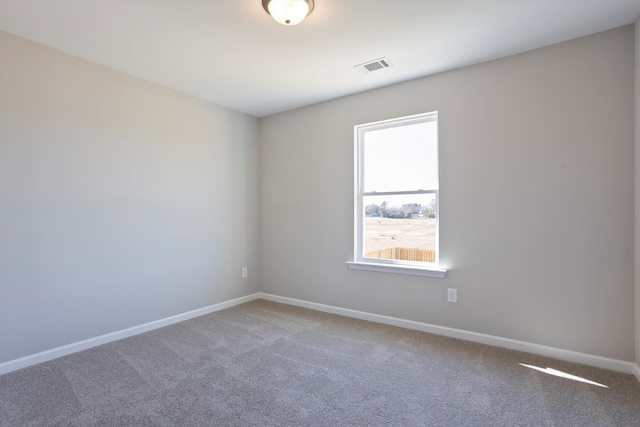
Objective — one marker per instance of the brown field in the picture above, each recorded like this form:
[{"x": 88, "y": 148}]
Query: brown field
[{"x": 383, "y": 233}]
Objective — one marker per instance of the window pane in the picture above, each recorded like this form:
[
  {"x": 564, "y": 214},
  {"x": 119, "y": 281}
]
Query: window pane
[
  {"x": 403, "y": 158},
  {"x": 400, "y": 227}
]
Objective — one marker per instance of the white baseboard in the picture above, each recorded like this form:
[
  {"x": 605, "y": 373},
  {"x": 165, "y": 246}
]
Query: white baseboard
[
  {"x": 556, "y": 353},
  {"x": 47, "y": 355},
  {"x": 552, "y": 352},
  {"x": 636, "y": 371}
]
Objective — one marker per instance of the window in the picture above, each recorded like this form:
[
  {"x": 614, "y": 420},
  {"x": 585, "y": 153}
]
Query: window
[{"x": 397, "y": 196}]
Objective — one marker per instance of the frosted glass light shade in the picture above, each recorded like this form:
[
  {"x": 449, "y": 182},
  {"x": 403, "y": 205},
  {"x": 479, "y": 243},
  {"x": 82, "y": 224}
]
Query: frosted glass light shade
[{"x": 288, "y": 12}]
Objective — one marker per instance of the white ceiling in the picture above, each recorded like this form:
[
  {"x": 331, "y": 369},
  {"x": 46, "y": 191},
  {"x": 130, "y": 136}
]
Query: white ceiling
[{"x": 232, "y": 53}]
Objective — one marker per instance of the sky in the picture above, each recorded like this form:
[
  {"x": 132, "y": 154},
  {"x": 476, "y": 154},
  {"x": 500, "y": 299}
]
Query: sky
[{"x": 401, "y": 159}]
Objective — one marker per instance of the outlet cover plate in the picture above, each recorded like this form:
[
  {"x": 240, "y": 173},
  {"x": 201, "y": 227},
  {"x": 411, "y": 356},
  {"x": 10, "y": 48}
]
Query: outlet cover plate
[{"x": 452, "y": 295}]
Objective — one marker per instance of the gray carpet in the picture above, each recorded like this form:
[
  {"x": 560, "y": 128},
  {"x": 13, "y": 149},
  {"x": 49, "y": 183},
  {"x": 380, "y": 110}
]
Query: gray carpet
[{"x": 268, "y": 364}]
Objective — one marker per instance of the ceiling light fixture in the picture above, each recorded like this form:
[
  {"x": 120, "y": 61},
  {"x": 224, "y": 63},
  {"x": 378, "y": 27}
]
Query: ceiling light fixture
[{"x": 288, "y": 12}]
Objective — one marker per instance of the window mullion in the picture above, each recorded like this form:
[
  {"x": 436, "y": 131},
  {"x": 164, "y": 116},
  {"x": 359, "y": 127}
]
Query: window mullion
[{"x": 397, "y": 193}]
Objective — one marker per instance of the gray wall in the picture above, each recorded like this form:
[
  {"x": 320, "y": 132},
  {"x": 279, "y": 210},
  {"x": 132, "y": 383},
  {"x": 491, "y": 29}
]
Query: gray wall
[
  {"x": 536, "y": 198},
  {"x": 121, "y": 202},
  {"x": 637, "y": 188}
]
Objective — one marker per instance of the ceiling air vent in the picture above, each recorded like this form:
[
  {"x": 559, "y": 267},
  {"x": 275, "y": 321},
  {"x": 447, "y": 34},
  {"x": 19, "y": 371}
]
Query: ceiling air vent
[{"x": 375, "y": 65}]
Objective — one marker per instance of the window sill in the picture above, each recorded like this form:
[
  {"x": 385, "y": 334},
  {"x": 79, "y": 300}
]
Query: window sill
[{"x": 398, "y": 269}]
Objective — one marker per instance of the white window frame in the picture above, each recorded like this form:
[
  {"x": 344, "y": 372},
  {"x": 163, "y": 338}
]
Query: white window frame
[{"x": 360, "y": 262}]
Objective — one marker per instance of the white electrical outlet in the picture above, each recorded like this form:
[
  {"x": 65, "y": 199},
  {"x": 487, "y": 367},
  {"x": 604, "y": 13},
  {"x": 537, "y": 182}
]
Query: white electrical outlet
[
  {"x": 244, "y": 272},
  {"x": 452, "y": 295}
]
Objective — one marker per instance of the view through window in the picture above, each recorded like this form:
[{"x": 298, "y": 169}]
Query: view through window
[{"x": 397, "y": 190}]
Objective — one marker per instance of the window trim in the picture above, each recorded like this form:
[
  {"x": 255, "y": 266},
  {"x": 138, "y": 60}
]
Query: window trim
[{"x": 360, "y": 262}]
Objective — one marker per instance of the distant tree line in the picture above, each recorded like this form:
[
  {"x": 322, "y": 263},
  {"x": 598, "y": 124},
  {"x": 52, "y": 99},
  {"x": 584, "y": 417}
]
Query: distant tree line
[{"x": 404, "y": 211}]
